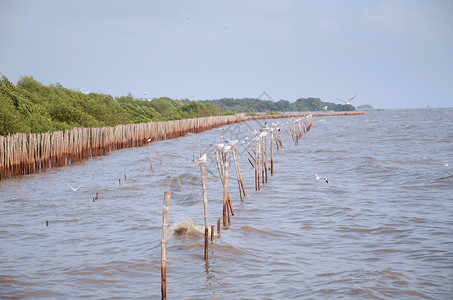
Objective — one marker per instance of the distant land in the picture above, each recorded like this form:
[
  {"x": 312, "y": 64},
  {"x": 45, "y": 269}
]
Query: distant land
[
  {"x": 365, "y": 107},
  {"x": 32, "y": 107}
]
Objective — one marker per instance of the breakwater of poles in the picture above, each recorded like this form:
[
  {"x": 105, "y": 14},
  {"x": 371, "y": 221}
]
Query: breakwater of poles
[
  {"x": 264, "y": 140},
  {"x": 22, "y": 154}
]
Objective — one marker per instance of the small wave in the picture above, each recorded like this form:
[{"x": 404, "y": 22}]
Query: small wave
[
  {"x": 186, "y": 227},
  {"x": 256, "y": 230},
  {"x": 330, "y": 151}
]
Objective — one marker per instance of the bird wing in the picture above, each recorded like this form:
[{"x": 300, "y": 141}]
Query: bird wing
[
  {"x": 352, "y": 97},
  {"x": 70, "y": 186}
]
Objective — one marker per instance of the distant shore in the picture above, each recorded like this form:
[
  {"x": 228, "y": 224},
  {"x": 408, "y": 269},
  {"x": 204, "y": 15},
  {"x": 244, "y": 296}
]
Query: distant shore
[{"x": 337, "y": 113}]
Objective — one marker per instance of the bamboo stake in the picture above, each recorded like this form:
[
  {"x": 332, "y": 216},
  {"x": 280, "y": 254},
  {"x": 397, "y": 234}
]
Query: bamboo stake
[
  {"x": 272, "y": 150},
  {"x": 205, "y": 206},
  {"x": 265, "y": 154},
  {"x": 247, "y": 151},
  {"x": 212, "y": 233},
  {"x": 218, "y": 227},
  {"x": 250, "y": 146},
  {"x": 251, "y": 163},
  {"x": 238, "y": 173},
  {"x": 164, "y": 245},
  {"x": 150, "y": 159},
  {"x": 262, "y": 160},
  {"x": 225, "y": 188}
]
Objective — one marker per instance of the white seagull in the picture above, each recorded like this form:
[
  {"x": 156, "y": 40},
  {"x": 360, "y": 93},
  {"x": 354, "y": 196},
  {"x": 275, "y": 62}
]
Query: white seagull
[
  {"x": 232, "y": 143},
  {"x": 323, "y": 178},
  {"x": 200, "y": 160},
  {"x": 325, "y": 107},
  {"x": 148, "y": 140},
  {"x": 74, "y": 189},
  {"x": 348, "y": 102},
  {"x": 218, "y": 146}
]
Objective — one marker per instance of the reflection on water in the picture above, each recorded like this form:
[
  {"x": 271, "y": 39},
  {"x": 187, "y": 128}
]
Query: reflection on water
[{"x": 381, "y": 227}]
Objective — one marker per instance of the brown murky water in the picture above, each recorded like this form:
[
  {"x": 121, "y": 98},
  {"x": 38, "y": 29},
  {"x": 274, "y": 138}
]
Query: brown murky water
[{"x": 381, "y": 228}]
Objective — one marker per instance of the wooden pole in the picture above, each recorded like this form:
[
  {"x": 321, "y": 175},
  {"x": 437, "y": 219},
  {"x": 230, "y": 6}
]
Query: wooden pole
[
  {"x": 256, "y": 168},
  {"x": 262, "y": 160},
  {"x": 218, "y": 227},
  {"x": 150, "y": 159},
  {"x": 225, "y": 188},
  {"x": 238, "y": 172},
  {"x": 248, "y": 151},
  {"x": 272, "y": 151},
  {"x": 205, "y": 206},
  {"x": 265, "y": 154},
  {"x": 164, "y": 245},
  {"x": 212, "y": 233}
]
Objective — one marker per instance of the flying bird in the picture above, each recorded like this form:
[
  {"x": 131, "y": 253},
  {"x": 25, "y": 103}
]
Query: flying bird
[
  {"x": 74, "y": 189},
  {"x": 325, "y": 107},
  {"x": 348, "y": 102},
  {"x": 323, "y": 178}
]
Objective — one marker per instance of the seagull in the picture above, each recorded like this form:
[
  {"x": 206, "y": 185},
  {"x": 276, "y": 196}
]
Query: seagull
[
  {"x": 226, "y": 148},
  {"x": 232, "y": 143},
  {"x": 325, "y": 107},
  {"x": 200, "y": 160},
  {"x": 74, "y": 189},
  {"x": 348, "y": 102},
  {"x": 323, "y": 178},
  {"x": 148, "y": 140},
  {"x": 218, "y": 146}
]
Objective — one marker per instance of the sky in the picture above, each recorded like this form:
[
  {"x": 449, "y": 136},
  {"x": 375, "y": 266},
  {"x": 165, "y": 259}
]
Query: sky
[{"x": 390, "y": 53}]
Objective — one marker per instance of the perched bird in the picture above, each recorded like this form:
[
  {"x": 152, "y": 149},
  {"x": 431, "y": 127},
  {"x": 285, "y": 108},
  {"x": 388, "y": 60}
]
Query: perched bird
[
  {"x": 218, "y": 146},
  {"x": 232, "y": 143},
  {"x": 148, "y": 140},
  {"x": 323, "y": 178},
  {"x": 200, "y": 160},
  {"x": 74, "y": 189}
]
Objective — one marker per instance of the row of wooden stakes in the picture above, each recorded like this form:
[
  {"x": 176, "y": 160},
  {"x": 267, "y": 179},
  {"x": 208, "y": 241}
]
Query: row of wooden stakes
[
  {"x": 22, "y": 153},
  {"x": 259, "y": 161}
]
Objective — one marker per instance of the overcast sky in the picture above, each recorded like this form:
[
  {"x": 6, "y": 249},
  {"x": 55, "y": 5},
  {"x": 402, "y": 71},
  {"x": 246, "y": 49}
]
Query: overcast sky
[{"x": 393, "y": 54}]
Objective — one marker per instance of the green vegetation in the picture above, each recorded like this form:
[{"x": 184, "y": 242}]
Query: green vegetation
[
  {"x": 365, "y": 107},
  {"x": 253, "y": 105},
  {"x": 30, "y": 106}
]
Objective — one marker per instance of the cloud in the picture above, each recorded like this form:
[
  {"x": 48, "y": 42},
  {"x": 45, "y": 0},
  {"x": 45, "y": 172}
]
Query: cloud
[
  {"x": 328, "y": 25},
  {"x": 390, "y": 15}
]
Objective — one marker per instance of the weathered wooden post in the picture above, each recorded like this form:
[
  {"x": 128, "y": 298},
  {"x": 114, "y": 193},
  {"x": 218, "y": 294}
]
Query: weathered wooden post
[
  {"x": 265, "y": 154},
  {"x": 205, "y": 206},
  {"x": 225, "y": 189},
  {"x": 164, "y": 246},
  {"x": 150, "y": 159},
  {"x": 272, "y": 150},
  {"x": 238, "y": 173}
]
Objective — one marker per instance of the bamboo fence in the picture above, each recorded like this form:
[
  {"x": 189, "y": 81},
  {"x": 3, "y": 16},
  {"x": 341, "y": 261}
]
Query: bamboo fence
[{"x": 22, "y": 154}]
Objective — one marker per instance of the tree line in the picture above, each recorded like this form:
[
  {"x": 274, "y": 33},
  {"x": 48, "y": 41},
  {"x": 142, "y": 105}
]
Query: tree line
[
  {"x": 30, "y": 106},
  {"x": 253, "y": 105}
]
